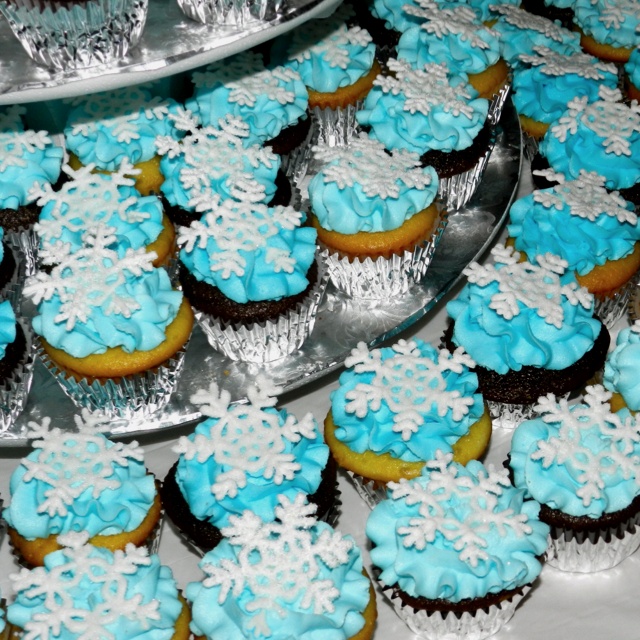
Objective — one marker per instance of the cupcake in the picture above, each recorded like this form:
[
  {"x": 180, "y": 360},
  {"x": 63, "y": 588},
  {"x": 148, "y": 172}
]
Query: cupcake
[
  {"x": 87, "y": 592},
  {"x": 376, "y": 216},
  {"x": 251, "y": 274},
  {"x": 622, "y": 370},
  {"x": 294, "y": 577},
  {"x": 581, "y": 462},
  {"x": 433, "y": 113},
  {"x": 632, "y": 75},
  {"x": 529, "y": 328},
  {"x": 103, "y": 129},
  {"x": 595, "y": 231},
  {"x": 456, "y": 549},
  {"x": 81, "y": 482},
  {"x": 246, "y": 457},
  {"x": 396, "y": 406},
  {"x": 13, "y": 272}
]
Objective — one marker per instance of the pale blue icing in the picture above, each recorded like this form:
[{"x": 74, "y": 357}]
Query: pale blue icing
[
  {"x": 142, "y": 331},
  {"x": 3, "y": 624},
  {"x": 260, "y": 495},
  {"x": 268, "y": 102},
  {"x": 392, "y": 12},
  {"x": 232, "y": 618},
  {"x": 612, "y": 22},
  {"x": 632, "y": 68},
  {"x": 154, "y": 582},
  {"x": 556, "y": 484},
  {"x": 374, "y": 431},
  {"x": 622, "y": 367},
  {"x": 483, "y": 7},
  {"x": 437, "y": 570},
  {"x": 561, "y": 4},
  {"x": 7, "y": 326},
  {"x": 396, "y": 123},
  {"x": 105, "y": 129},
  {"x": 538, "y": 229}
]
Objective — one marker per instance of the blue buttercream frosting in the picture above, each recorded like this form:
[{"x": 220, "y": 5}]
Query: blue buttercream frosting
[
  {"x": 632, "y": 68},
  {"x": 486, "y": 7},
  {"x": 622, "y": 367},
  {"x": 442, "y": 397},
  {"x": 423, "y": 110},
  {"x": 269, "y": 100},
  {"x": 394, "y": 15},
  {"x": 508, "y": 536},
  {"x": 564, "y": 458},
  {"x": 7, "y": 326},
  {"x": 612, "y": 22}
]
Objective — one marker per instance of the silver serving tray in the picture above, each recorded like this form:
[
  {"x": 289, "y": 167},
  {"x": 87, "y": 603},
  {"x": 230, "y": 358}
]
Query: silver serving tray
[{"x": 341, "y": 322}]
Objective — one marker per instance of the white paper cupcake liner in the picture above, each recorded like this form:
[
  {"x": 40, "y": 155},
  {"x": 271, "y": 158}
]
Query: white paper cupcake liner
[
  {"x": 611, "y": 309},
  {"x": 270, "y": 340},
  {"x": 231, "y": 14},
  {"x": 497, "y": 103},
  {"x": 371, "y": 492},
  {"x": 25, "y": 245},
  {"x": 336, "y": 127},
  {"x": 384, "y": 277},
  {"x": 77, "y": 35}
]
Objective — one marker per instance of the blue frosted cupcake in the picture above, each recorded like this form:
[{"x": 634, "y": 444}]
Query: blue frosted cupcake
[{"x": 622, "y": 370}]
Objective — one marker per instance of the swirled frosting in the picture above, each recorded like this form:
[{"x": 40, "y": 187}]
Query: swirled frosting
[
  {"x": 485, "y": 8},
  {"x": 392, "y": 12},
  {"x": 423, "y": 109},
  {"x": 106, "y": 128},
  {"x": 632, "y": 68},
  {"x": 477, "y": 546},
  {"x": 622, "y": 367},
  {"x": 269, "y": 100},
  {"x": 612, "y": 22},
  {"x": 582, "y": 459},
  {"x": 7, "y": 326}
]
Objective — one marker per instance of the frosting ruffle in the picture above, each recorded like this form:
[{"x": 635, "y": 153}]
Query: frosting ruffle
[
  {"x": 7, "y": 326},
  {"x": 392, "y": 12},
  {"x": 612, "y": 22},
  {"x": 622, "y": 367},
  {"x": 632, "y": 68}
]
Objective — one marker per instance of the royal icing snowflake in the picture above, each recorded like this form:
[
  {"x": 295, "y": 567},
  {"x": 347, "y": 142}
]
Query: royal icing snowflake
[
  {"x": 613, "y": 13},
  {"x": 579, "y": 426},
  {"x": 104, "y": 574},
  {"x": 247, "y": 79},
  {"x": 74, "y": 462},
  {"x": 215, "y": 153},
  {"x": 517, "y": 17},
  {"x": 586, "y": 197},
  {"x": 15, "y": 145},
  {"x": 409, "y": 383},
  {"x": 280, "y": 562},
  {"x": 537, "y": 287},
  {"x": 442, "y": 516},
  {"x": 579, "y": 64},
  {"x": 366, "y": 163},
  {"x": 233, "y": 225},
  {"x": 10, "y": 119},
  {"x": 425, "y": 89},
  {"x": 248, "y": 438},
  {"x": 616, "y": 123}
]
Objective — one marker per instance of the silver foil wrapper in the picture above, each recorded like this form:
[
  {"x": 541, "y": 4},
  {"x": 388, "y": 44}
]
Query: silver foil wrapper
[
  {"x": 496, "y": 104},
  {"x": 336, "y": 127},
  {"x": 530, "y": 146},
  {"x": 230, "y": 14},
  {"x": 12, "y": 291},
  {"x": 271, "y": 340},
  {"x": 508, "y": 416},
  {"x": 25, "y": 245},
  {"x": 611, "y": 309},
  {"x": 371, "y": 492},
  {"x": 76, "y": 35}
]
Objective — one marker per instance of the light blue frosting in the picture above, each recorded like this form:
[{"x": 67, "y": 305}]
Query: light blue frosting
[
  {"x": 391, "y": 11},
  {"x": 7, "y": 326},
  {"x": 152, "y": 582},
  {"x": 142, "y": 331},
  {"x": 437, "y": 571},
  {"x": 556, "y": 485},
  {"x": 3, "y": 624},
  {"x": 279, "y": 102},
  {"x": 232, "y": 618},
  {"x": 483, "y": 7},
  {"x": 594, "y": 17},
  {"x": 632, "y": 68},
  {"x": 583, "y": 243},
  {"x": 92, "y": 127},
  {"x": 561, "y": 4},
  {"x": 374, "y": 431},
  {"x": 260, "y": 495},
  {"x": 622, "y": 367},
  {"x": 113, "y": 511}
]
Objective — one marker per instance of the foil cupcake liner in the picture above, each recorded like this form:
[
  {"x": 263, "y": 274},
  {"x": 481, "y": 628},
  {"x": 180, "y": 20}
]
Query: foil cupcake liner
[
  {"x": 384, "y": 277},
  {"x": 232, "y": 14},
  {"x": 336, "y": 127},
  {"x": 77, "y": 35},
  {"x": 530, "y": 146},
  {"x": 508, "y": 416},
  {"x": 497, "y": 103},
  {"x": 611, "y": 308},
  {"x": 24, "y": 243},
  {"x": 371, "y": 492},
  {"x": 592, "y": 551},
  {"x": 129, "y": 397},
  {"x": 12, "y": 291},
  {"x": 296, "y": 163},
  {"x": 271, "y": 340}
]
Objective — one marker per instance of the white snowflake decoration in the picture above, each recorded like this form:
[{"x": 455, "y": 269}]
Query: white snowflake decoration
[
  {"x": 365, "y": 162},
  {"x": 409, "y": 383},
  {"x": 569, "y": 448},
  {"x": 425, "y": 89},
  {"x": 247, "y": 438},
  {"x": 280, "y": 562},
  {"x": 213, "y": 153},
  {"x": 112, "y": 600},
  {"x": 522, "y": 19},
  {"x": 10, "y": 117},
  {"x": 537, "y": 287},
  {"x": 579, "y": 64},
  {"x": 14, "y": 145},
  {"x": 614, "y": 12},
  {"x": 608, "y": 118},
  {"x": 74, "y": 462},
  {"x": 465, "y": 528},
  {"x": 586, "y": 197}
]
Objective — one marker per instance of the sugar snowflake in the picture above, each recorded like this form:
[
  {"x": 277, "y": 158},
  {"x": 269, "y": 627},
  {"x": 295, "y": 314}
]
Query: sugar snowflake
[
  {"x": 578, "y": 63},
  {"x": 522, "y": 19},
  {"x": 281, "y": 561},
  {"x": 608, "y": 118},
  {"x": 426, "y": 88},
  {"x": 10, "y": 119},
  {"x": 572, "y": 446},
  {"x": 215, "y": 153},
  {"x": 365, "y": 162},
  {"x": 537, "y": 287},
  {"x": 441, "y": 514},
  {"x": 613, "y": 14},
  {"x": 107, "y": 576},
  {"x": 14, "y": 145},
  {"x": 249, "y": 439},
  {"x": 409, "y": 383}
]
